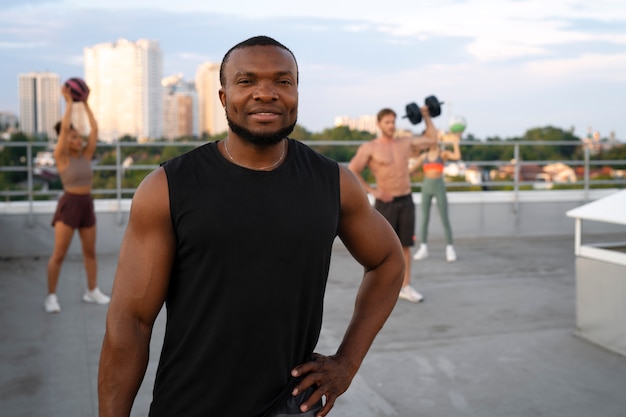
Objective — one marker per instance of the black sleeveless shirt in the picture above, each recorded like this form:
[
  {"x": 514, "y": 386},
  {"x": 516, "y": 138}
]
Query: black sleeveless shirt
[{"x": 245, "y": 299}]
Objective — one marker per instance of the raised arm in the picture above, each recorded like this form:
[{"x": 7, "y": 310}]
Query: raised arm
[
  {"x": 92, "y": 139},
  {"x": 373, "y": 243},
  {"x": 60, "y": 150},
  {"x": 455, "y": 154},
  {"x": 429, "y": 137},
  {"x": 139, "y": 290}
]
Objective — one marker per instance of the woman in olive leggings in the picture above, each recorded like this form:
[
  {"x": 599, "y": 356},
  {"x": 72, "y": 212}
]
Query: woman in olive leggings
[{"x": 432, "y": 162}]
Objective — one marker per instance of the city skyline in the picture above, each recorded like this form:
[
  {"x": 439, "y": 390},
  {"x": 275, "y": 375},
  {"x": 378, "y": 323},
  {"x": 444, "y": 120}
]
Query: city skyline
[
  {"x": 126, "y": 93},
  {"x": 507, "y": 66},
  {"x": 180, "y": 108}
]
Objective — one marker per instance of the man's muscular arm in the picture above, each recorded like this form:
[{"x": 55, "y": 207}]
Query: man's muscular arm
[{"x": 429, "y": 137}]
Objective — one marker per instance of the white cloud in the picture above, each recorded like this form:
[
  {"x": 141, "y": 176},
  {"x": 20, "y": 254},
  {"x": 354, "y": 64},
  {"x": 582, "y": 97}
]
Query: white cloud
[
  {"x": 498, "y": 30},
  {"x": 489, "y": 49},
  {"x": 495, "y": 29},
  {"x": 609, "y": 68}
]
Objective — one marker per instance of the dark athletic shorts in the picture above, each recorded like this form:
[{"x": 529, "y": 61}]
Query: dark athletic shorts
[
  {"x": 401, "y": 214},
  {"x": 75, "y": 210}
]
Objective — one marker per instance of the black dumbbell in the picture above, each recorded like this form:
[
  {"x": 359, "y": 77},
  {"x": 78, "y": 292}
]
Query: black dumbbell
[
  {"x": 434, "y": 106},
  {"x": 413, "y": 111}
]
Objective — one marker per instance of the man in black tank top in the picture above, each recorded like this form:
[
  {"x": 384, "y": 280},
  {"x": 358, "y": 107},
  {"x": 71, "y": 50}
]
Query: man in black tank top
[{"x": 235, "y": 237}]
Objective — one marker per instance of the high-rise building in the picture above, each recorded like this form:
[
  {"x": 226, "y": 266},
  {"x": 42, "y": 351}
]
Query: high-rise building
[
  {"x": 126, "y": 94},
  {"x": 180, "y": 108},
  {"x": 362, "y": 123},
  {"x": 40, "y": 103},
  {"x": 212, "y": 118},
  {"x": 8, "y": 121}
]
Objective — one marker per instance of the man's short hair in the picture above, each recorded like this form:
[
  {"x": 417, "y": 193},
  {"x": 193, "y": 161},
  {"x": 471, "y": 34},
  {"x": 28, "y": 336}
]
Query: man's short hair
[
  {"x": 384, "y": 112},
  {"x": 254, "y": 41}
]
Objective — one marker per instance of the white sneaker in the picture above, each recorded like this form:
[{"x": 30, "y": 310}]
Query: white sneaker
[
  {"x": 408, "y": 293},
  {"x": 422, "y": 252},
  {"x": 96, "y": 296},
  {"x": 52, "y": 304},
  {"x": 450, "y": 253}
]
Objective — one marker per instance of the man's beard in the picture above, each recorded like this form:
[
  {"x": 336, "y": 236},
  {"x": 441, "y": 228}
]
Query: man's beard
[{"x": 260, "y": 139}]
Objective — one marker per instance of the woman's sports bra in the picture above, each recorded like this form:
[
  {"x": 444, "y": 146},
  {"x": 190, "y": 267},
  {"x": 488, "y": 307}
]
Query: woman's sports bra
[
  {"x": 433, "y": 166},
  {"x": 77, "y": 174}
]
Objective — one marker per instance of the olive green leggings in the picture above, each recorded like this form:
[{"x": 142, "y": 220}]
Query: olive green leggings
[{"x": 435, "y": 187}]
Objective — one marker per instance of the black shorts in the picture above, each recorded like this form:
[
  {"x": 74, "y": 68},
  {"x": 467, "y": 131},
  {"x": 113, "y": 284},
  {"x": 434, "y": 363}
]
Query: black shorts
[
  {"x": 75, "y": 210},
  {"x": 400, "y": 213}
]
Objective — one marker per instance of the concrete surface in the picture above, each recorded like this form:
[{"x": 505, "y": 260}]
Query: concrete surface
[{"x": 494, "y": 337}]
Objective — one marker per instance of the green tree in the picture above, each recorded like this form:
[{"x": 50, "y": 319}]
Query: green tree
[
  {"x": 505, "y": 151},
  {"x": 16, "y": 156},
  {"x": 481, "y": 152},
  {"x": 300, "y": 133},
  {"x": 547, "y": 134},
  {"x": 127, "y": 138},
  {"x": 617, "y": 153},
  {"x": 340, "y": 153}
]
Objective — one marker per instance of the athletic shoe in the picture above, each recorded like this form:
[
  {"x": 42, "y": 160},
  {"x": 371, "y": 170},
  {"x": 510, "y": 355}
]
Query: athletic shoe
[
  {"x": 450, "y": 253},
  {"x": 96, "y": 296},
  {"x": 422, "y": 253},
  {"x": 408, "y": 293},
  {"x": 52, "y": 304}
]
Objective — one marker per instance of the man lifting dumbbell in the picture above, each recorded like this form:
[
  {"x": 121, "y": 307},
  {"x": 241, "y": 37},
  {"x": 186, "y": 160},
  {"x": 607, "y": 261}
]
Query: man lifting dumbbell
[{"x": 387, "y": 157}]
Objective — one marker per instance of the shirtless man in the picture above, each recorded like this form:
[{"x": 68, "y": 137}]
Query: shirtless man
[{"x": 387, "y": 157}]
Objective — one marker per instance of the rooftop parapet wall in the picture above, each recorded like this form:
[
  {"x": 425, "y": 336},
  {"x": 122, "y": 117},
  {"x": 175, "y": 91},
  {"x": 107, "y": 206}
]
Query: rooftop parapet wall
[{"x": 26, "y": 229}]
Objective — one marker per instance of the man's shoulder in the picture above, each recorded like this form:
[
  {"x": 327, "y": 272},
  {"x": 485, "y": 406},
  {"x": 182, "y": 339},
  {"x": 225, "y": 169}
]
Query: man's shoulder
[
  {"x": 187, "y": 157},
  {"x": 372, "y": 144},
  {"x": 405, "y": 141},
  {"x": 384, "y": 143}
]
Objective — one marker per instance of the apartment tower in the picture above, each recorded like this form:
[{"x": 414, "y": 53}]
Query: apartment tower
[
  {"x": 212, "y": 118},
  {"x": 180, "y": 108},
  {"x": 126, "y": 93},
  {"x": 40, "y": 103}
]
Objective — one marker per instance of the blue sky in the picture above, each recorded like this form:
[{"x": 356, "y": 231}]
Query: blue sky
[{"x": 506, "y": 65}]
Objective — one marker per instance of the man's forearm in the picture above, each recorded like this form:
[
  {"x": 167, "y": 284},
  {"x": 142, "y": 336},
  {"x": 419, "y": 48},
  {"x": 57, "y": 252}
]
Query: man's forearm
[
  {"x": 375, "y": 302},
  {"x": 431, "y": 130},
  {"x": 120, "y": 374}
]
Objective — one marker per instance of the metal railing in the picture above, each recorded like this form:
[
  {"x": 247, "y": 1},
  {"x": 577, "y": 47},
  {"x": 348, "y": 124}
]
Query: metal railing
[{"x": 118, "y": 192}]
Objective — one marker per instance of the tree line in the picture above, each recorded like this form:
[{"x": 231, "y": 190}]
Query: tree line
[{"x": 154, "y": 155}]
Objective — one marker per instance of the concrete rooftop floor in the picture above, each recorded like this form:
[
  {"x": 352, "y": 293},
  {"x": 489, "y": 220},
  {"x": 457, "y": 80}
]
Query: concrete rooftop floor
[{"x": 494, "y": 337}]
